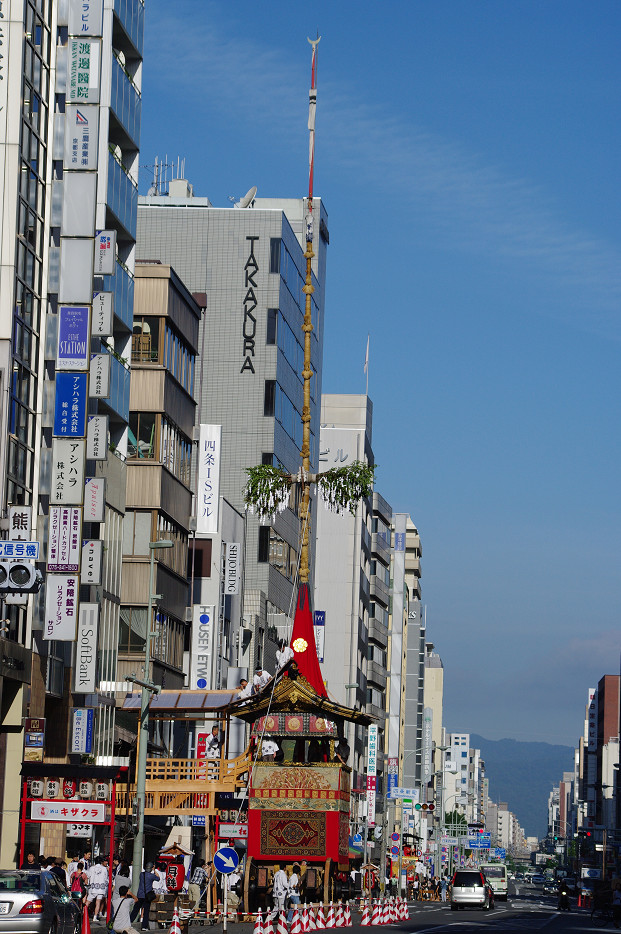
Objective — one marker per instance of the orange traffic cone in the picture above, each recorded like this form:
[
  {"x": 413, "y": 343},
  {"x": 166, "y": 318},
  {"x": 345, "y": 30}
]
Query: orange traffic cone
[
  {"x": 320, "y": 921},
  {"x": 377, "y": 917},
  {"x": 296, "y": 927},
  {"x": 304, "y": 919},
  {"x": 330, "y": 923},
  {"x": 340, "y": 917},
  {"x": 86, "y": 921},
  {"x": 366, "y": 921},
  {"x": 348, "y": 923},
  {"x": 282, "y": 923}
]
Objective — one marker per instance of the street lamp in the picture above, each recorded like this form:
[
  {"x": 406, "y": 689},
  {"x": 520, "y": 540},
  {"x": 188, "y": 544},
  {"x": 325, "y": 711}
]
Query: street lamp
[{"x": 148, "y": 688}]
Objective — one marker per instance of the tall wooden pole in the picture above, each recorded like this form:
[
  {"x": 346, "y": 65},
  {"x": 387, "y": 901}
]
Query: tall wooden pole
[{"x": 307, "y": 327}]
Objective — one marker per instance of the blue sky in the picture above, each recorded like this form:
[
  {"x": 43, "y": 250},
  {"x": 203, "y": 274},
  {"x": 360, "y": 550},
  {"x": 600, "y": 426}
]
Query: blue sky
[{"x": 467, "y": 154}]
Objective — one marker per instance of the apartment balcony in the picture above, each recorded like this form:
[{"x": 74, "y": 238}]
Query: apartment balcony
[
  {"x": 122, "y": 195},
  {"x": 377, "y": 674},
  {"x": 125, "y": 103},
  {"x": 415, "y": 591},
  {"x": 412, "y": 563},
  {"x": 151, "y": 486},
  {"x": 379, "y": 590},
  {"x": 131, "y": 16},
  {"x": 380, "y": 548},
  {"x": 378, "y": 633}
]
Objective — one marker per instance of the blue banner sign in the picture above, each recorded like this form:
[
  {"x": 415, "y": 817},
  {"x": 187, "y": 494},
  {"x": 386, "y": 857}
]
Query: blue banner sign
[{"x": 70, "y": 405}]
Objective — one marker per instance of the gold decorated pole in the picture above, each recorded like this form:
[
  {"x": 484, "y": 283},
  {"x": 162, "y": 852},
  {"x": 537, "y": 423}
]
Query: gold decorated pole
[{"x": 307, "y": 327}]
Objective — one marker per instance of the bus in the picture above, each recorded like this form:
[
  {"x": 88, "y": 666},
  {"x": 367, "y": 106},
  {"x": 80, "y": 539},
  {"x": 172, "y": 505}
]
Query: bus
[{"x": 496, "y": 875}]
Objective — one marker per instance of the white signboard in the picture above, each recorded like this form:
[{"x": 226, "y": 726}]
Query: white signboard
[
  {"x": 67, "y": 480},
  {"x": 103, "y": 306},
  {"x": 233, "y": 831},
  {"x": 19, "y": 549},
  {"x": 208, "y": 486},
  {"x": 81, "y": 136},
  {"x": 371, "y": 774},
  {"x": 92, "y": 553},
  {"x": 232, "y": 568},
  {"x": 64, "y": 538},
  {"x": 201, "y": 659},
  {"x": 449, "y": 841},
  {"x": 65, "y": 812},
  {"x": 97, "y": 438},
  {"x": 83, "y": 56},
  {"x": 372, "y": 750},
  {"x": 94, "y": 499},
  {"x": 99, "y": 383},
  {"x": 61, "y": 607},
  {"x": 86, "y": 651},
  {"x": 105, "y": 253},
  {"x": 20, "y": 523},
  {"x": 85, "y": 17},
  {"x": 79, "y": 830}
]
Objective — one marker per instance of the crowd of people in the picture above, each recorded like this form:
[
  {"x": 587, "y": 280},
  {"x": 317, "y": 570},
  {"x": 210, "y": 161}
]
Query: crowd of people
[{"x": 433, "y": 889}]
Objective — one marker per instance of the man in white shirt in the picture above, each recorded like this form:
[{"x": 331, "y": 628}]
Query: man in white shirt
[
  {"x": 260, "y": 680},
  {"x": 284, "y": 654},
  {"x": 245, "y": 690},
  {"x": 213, "y": 744}
]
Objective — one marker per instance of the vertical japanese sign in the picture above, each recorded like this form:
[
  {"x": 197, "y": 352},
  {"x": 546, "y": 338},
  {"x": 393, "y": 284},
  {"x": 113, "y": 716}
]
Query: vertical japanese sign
[
  {"x": 202, "y": 647},
  {"x": 102, "y": 314},
  {"x": 20, "y": 523},
  {"x": 61, "y": 607},
  {"x": 99, "y": 369},
  {"x": 319, "y": 627},
  {"x": 92, "y": 554},
  {"x": 64, "y": 538},
  {"x": 393, "y": 774},
  {"x": 73, "y": 349},
  {"x": 86, "y": 651},
  {"x": 67, "y": 480},
  {"x": 232, "y": 568},
  {"x": 105, "y": 253},
  {"x": 81, "y": 136},
  {"x": 371, "y": 774},
  {"x": 83, "y": 56},
  {"x": 97, "y": 438},
  {"x": 85, "y": 17},
  {"x": 427, "y": 745},
  {"x": 82, "y": 730},
  {"x": 70, "y": 405},
  {"x": 208, "y": 478},
  {"x": 94, "y": 499}
]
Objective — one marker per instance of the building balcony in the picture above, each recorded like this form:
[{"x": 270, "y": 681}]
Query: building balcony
[
  {"x": 380, "y": 548},
  {"x": 130, "y": 14},
  {"x": 122, "y": 196},
  {"x": 125, "y": 103},
  {"x": 376, "y": 674},
  {"x": 378, "y": 633},
  {"x": 412, "y": 563},
  {"x": 379, "y": 590},
  {"x": 415, "y": 591}
]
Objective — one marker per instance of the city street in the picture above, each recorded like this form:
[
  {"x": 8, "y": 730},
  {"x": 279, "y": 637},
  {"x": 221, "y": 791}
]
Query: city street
[{"x": 524, "y": 911}]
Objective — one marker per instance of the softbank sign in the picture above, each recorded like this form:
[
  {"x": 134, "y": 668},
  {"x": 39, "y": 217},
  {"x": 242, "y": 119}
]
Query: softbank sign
[{"x": 201, "y": 660}]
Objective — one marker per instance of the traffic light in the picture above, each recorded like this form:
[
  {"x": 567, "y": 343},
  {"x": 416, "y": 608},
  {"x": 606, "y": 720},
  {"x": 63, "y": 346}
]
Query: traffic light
[
  {"x": 19, "y": 576},
  {"x": 425, "y": 807}
]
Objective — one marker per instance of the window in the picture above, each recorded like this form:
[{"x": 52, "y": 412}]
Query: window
[
  {"x": 276, "y": 551},
  {"x": 132, "y": 629},
  {"x": 141, "y": 435},
  {"x": 136, "y": 533},
  {"x": 274, "y": 254},
  {"x": 264, "y": 544},
  {"x": 267, "y": 458},
  {"x": 145, "y": 340},
  {"x": 269, "y": 399},
  {"x": 272, "y": 325}
]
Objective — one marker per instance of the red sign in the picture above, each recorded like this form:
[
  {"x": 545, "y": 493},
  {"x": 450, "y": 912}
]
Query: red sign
[{"x": 175, "y": 874}]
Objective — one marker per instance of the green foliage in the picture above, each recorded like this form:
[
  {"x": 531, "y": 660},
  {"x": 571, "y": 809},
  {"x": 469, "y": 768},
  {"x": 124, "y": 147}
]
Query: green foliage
[
  {"x": 342, "y": 488},
  {"x": 267, "y": 490}
]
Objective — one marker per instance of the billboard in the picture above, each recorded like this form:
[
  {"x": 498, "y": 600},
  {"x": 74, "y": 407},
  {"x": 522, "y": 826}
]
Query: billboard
[
  {"x": 208, "y": 485},
  {"x": 86, "y": 650},
  {"x": 70, "y": 405},
  {"x": 83, "y": 57},
  {"x": 64, "y": 539},
  {"x": 67, "y": 475},
  {"x": 61, "y": 606},
  {"x": 201, "y": 659},
  {"x": 81, "y": 136}
]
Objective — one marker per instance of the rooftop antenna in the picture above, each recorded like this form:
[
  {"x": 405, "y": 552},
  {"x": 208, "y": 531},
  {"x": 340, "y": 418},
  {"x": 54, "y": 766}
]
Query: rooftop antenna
[{"x": 158, "y": 185}]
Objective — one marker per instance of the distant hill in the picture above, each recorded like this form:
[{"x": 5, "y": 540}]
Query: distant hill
[{"x": 522, "y": 774}]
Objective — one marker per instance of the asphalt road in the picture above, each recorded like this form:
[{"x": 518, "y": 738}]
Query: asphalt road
[{"x": 526, "y": 910}]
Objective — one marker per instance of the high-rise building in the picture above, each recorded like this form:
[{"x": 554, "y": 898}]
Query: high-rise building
[
  {"x": 249, "y": 264},
  {"x": 71, "y": 120},
  {"x": 352, "y": 574}
]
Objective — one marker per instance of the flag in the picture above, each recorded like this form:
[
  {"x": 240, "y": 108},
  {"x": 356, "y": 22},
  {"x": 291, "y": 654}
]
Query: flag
[{"x": 366, "y": 359}]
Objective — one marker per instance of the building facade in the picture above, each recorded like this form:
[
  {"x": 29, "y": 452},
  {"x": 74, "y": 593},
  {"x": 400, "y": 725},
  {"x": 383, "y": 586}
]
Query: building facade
[{"x": 249, "y": 264}]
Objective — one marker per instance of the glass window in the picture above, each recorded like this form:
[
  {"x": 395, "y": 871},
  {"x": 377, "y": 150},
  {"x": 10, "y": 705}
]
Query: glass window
[
  {"x": 141, "y": 435},
  {"x": 264, "y": 544},
  {"x": 274, "y": 254},
  {"x": 272, "y": 320},
  {"x": 145, "y": 340},
  {"x": 269, "y": 398}
]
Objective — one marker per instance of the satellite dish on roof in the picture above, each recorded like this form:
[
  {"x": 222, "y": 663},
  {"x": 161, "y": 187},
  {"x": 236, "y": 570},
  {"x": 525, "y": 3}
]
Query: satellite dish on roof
[{"x": 248, "y": 198}]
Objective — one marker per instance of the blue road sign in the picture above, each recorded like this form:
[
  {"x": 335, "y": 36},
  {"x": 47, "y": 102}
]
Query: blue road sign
[
  {"x": 357, "y": 838},
  {"x": 225, "y": 860},
  {"x": 394, "y": 850}
]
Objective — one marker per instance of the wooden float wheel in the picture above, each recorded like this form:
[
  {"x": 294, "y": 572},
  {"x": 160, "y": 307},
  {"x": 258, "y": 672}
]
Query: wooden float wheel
[{"x": 326, "y": 882}]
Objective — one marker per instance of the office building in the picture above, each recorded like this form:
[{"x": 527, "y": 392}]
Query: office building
[
  {"x": 352, "y": 574},
  {"x": 249, "y": 264},
  {"x": 70, "y": 164}
]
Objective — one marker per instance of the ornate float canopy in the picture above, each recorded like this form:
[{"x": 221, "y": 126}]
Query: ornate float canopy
[{"x": 295, "y": 695}]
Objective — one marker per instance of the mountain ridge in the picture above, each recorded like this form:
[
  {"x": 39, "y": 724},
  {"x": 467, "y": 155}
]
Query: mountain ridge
[{"x": 523, "y": 774}]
